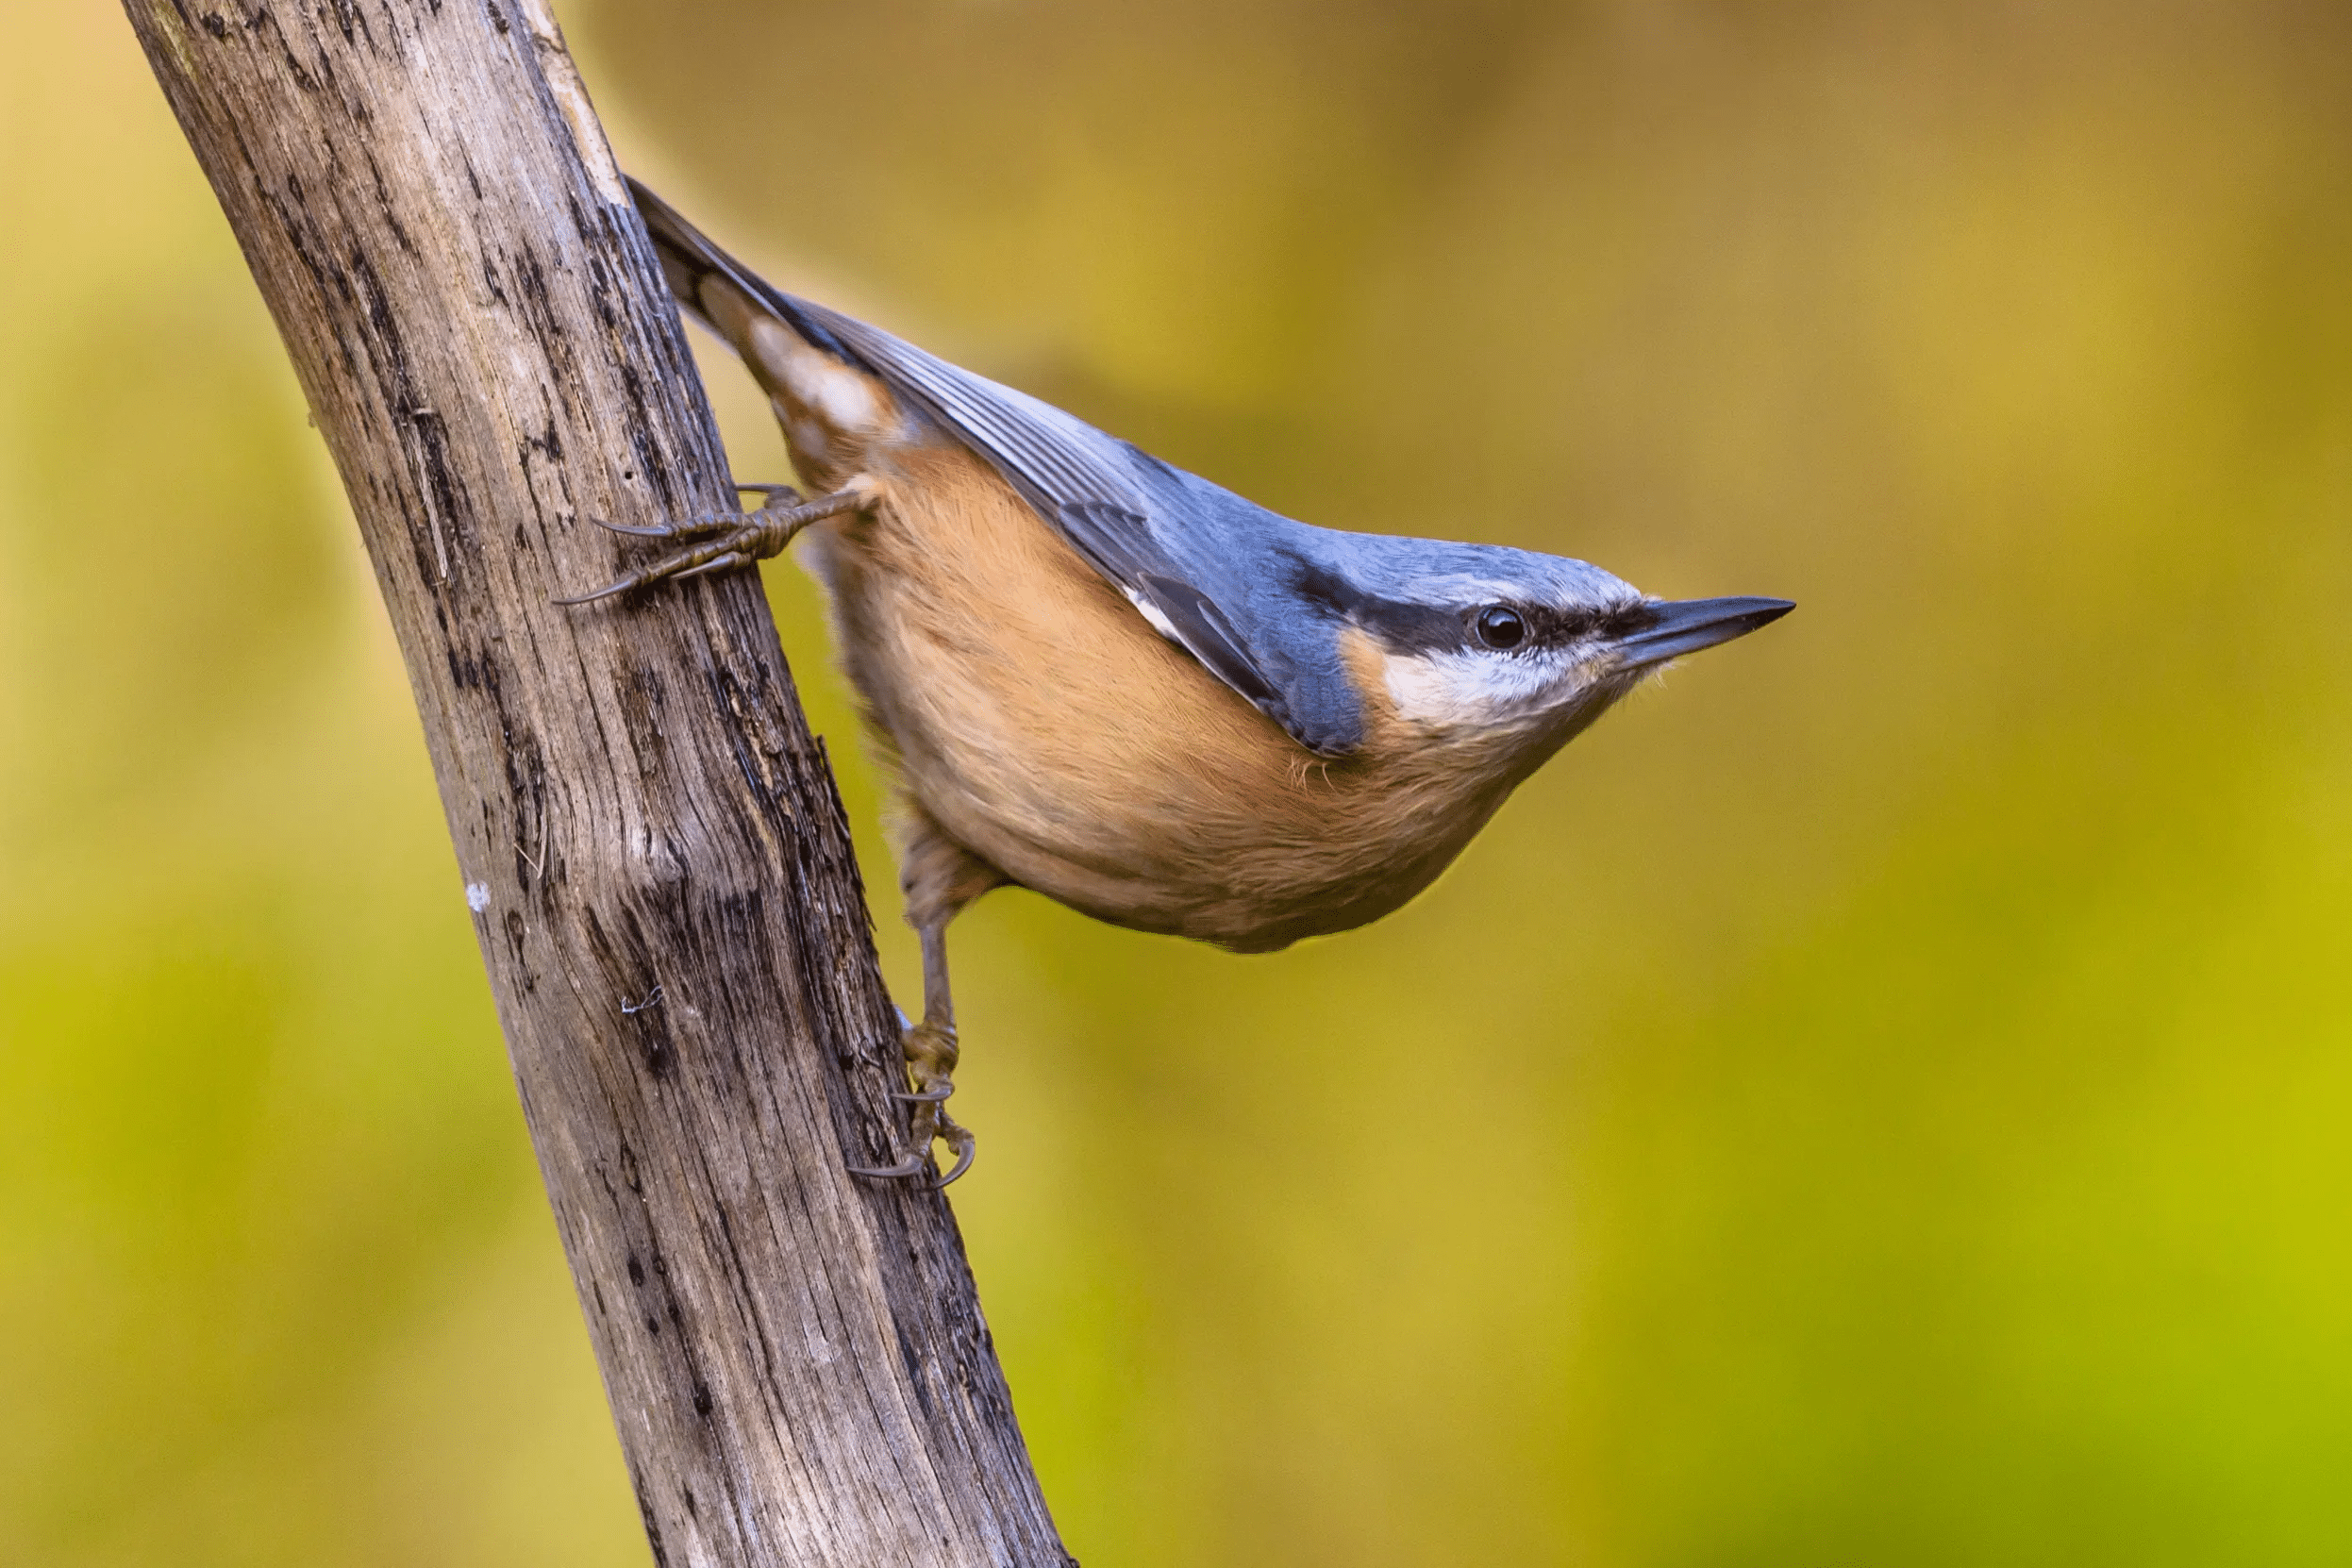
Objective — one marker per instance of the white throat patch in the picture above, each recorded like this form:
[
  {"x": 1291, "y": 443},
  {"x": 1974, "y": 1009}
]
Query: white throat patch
[{"x": 1462, "y": 689}]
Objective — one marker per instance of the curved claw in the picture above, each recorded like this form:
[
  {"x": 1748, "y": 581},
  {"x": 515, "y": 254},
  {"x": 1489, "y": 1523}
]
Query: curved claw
[
  {"x": 719, "y": 555},
  {"x": 605, "y": 592},
  {"x": 967, "y": 1147},
  {"x": 912, "y": 1165},
  {"x": 771, "y": 491},
  {"x": 925, "y": 1096},
  {"x": 660, "y": 530}
]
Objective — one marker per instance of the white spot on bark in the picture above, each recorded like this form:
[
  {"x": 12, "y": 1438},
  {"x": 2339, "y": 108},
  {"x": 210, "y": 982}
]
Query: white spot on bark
[{"x": 478, "y": 896}]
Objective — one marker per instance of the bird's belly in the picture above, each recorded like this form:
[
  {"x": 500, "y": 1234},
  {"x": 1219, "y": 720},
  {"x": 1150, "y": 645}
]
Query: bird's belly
[{"x": 1042, "y": 724}]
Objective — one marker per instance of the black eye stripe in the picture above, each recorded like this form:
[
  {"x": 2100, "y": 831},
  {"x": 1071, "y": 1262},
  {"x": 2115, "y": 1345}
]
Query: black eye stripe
[
  {"x": 1547, "y": 627},
  {"x": 1557, "y": 628},
  {"x": 1406, "y": 626}
]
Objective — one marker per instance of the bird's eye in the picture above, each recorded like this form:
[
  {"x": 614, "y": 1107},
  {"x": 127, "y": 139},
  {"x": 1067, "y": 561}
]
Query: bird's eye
[{"x": 1501, "y": 626}]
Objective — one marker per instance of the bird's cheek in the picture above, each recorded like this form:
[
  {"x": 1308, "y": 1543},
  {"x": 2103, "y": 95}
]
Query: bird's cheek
[{"x": 1451, "y": 693}]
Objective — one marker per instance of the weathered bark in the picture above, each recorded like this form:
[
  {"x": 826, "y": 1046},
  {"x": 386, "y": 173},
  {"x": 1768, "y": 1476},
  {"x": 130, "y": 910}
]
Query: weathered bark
[{"x": 649, "y": 840}]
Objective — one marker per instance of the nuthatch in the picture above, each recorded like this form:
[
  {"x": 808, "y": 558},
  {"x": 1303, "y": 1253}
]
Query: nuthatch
[{"x": 1111, "y": 681}]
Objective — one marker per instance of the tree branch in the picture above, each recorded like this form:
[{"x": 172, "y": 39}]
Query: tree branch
[{"x": 651, "y": 843}]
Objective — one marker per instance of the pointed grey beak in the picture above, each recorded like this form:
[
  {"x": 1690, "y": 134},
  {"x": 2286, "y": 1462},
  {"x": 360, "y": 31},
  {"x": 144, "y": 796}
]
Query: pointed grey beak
[{"x": 1686, "y": 625}]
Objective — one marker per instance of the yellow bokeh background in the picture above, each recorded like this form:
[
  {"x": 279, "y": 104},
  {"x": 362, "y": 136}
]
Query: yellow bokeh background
[{"x": 1881, "y": 1098}]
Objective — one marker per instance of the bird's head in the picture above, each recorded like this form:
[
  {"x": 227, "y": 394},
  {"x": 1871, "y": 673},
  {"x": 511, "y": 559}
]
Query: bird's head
[{"x": 1508, "y": 649}]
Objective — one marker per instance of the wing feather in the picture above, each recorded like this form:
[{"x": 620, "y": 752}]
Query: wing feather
[{"x": 1164, "y": 539}]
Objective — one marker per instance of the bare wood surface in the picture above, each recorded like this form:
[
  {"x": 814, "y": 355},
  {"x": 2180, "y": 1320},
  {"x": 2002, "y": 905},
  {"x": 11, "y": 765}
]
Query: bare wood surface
[{"x": 649, "y": 839}]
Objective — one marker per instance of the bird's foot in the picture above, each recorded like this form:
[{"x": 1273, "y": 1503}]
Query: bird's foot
[
  {"x": 931, "y": 1054},
  {"x": 726, "y": 539}
]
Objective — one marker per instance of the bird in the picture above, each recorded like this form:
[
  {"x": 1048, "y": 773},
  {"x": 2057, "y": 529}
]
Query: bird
[{"x": 1102, "y": 677}]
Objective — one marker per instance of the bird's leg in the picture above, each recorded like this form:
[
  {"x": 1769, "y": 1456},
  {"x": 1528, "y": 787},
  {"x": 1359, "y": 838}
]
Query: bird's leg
[
  {"x": 729, "y": 539},
  {"x": 940, "y": 877},
  {"x": 931, "y": 1055}
]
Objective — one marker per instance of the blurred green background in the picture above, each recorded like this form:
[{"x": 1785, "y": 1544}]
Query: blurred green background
[{"x": 1880, "y": 1099}]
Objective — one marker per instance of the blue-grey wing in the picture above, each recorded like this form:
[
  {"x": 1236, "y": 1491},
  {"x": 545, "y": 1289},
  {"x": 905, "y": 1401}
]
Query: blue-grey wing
[
  {"x": 1203, "y": 566},
  {"x": 1203, "y": 569}
]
